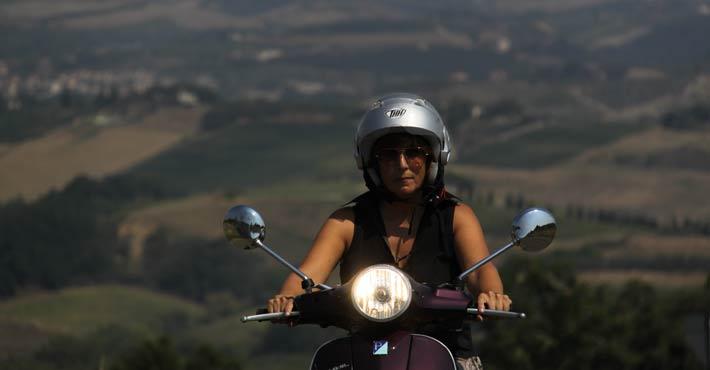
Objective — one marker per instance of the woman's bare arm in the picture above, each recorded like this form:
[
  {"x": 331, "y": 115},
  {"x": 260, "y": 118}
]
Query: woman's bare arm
[
  {"x": 330, "y": 244},
  {"x": 485, "y": 283}
]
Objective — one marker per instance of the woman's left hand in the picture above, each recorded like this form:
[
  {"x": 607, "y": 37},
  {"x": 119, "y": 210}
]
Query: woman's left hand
[{"x": 492, "y": 301}]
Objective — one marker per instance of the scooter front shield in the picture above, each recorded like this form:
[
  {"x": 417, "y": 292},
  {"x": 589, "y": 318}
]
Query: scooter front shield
[{"x": 395, "y": 351}]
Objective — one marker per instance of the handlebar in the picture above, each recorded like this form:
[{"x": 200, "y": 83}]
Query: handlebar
[
  {"x": 270, "y": 316},
  {"x": 497, "y": 313},
  {"x": 472, "y": 311}
]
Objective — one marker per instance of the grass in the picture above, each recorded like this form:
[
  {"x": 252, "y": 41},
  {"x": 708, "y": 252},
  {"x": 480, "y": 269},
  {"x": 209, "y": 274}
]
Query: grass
[
  {"x": 667, "y": 281},
  {"x": 51, "y": 161},
  {"x": 230, "y": 333},
  {"x": 552, "y": 145},
  {"x": 497, "y": 219},
  {"x": 615, "y": 252},
  {"x": 34, "y": 120},
  {"x": 20, "y": 337},
  {"x": 253, "y": 156},
  {"x": 335, "y": 191},
  {"x": 83, "y": 310},
  {"x": 29, "y": 322},
  {"x": 279, "y": 361}
]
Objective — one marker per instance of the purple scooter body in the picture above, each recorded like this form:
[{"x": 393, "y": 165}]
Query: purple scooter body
[
  {"x": 390, "y": 346},
  {"x": 405, "y": 351},
  {"x": 394, "y": 344}
]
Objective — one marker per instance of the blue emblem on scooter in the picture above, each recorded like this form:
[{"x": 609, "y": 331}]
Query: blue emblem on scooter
[{"x": 380, "y": 347}]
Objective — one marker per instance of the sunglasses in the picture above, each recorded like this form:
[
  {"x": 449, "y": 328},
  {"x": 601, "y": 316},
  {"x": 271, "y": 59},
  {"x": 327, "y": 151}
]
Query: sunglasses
[{"x": 414, "y": 156}]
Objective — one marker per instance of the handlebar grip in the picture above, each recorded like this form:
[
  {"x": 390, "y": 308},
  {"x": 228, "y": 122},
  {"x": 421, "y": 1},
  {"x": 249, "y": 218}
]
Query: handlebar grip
[
  {"x": 269, "y": 316},
  {"x": 497, "y": 313}
]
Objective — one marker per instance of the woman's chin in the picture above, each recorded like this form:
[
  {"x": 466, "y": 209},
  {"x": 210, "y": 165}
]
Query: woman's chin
[{"x": 406, "y": 193}]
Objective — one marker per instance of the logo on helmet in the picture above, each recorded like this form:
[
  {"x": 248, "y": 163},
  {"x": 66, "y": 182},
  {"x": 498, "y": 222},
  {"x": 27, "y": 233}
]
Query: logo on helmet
[{"x": 396, "y": 113}]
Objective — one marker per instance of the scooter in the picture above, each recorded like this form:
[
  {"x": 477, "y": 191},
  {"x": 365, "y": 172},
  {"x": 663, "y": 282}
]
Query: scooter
[{"x": 382, "y": 307}]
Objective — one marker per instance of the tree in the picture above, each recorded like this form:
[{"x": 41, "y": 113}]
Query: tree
[
  {"x": 65, "y": 236},
  {"x": 576, "y": 326},
  {"x": 161, "y": 354},
  {"x": 193, "y": 268}
]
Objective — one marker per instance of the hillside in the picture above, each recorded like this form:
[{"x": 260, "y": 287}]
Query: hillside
[
  {"x": 648, "y": 172},
  {"x": 129, "y": 127},
  {"x": 35, "y": 318},
  {"x": 346, "y": 49},
  {"x": 90, "y": 148}
]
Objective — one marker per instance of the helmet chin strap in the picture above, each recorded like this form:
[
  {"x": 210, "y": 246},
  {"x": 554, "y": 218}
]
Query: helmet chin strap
[{"x": 432, "y": 172}]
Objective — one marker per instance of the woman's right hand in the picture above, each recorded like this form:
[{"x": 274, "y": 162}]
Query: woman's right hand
[{"x": 280, "y": 303}]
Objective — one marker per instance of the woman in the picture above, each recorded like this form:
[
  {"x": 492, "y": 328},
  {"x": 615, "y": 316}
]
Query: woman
[{"x": 406, "y": 218}]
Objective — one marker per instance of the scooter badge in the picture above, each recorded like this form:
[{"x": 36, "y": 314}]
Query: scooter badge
[{"x": 380, "y": 347}]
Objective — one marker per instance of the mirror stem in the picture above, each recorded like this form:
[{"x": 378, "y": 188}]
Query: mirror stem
[
  {"x": 307, "y": 283},
  {"x": 483, "y": 262}
]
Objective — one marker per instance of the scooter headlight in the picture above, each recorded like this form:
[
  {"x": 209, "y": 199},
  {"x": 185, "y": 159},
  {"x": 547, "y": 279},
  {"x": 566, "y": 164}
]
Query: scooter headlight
[{"x": 381, "y": 293}]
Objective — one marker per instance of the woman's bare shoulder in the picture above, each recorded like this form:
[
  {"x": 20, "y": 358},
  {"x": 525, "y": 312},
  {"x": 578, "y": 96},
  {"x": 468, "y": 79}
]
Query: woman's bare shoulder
[
  {"x": 463, "y": 210},
  {"x": 340, "y": 224},
  {"x": 344, "y": 214},
  {"x": 464, "y": 215}
]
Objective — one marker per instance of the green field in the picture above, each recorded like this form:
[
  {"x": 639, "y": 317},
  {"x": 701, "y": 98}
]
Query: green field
[
  {"x": 125, "y": 316},
  {"x": 552, "y": 145},
  {"x": 238, "y": 157},
  {"x": 82, "y": 310}
]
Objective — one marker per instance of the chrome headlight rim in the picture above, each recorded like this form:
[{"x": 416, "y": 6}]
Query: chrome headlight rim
[{"x": 399, "y": 274}]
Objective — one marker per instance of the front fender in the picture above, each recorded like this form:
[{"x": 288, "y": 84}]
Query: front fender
[{"x": 394, "y": 351}]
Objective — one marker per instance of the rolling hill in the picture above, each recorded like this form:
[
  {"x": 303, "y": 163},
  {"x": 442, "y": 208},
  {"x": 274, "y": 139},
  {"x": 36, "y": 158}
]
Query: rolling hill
[{"x": 51, "y": 161}]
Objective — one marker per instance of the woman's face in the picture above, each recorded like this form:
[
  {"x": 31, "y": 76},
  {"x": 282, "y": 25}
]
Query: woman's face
[{"x": 402, "y": 161}]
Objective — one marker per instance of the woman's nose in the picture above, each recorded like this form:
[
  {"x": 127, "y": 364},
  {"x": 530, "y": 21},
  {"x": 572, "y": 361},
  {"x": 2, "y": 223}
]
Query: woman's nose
[{"x": 403, "y": 160}]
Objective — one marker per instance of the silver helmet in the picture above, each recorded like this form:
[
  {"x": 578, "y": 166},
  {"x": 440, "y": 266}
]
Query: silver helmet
[{"x": 402, "y": 113}]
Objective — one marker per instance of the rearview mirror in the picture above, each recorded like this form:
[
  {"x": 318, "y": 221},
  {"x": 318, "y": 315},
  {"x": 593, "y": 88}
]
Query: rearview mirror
[
  {"x": 243, "y": 227},
  {"x": 534, "y": 229}
]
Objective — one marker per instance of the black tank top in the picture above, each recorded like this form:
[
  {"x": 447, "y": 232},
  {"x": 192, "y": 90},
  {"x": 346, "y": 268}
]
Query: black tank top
[{"x": 432, "y": 259}]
